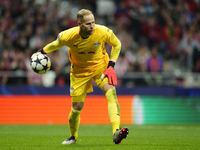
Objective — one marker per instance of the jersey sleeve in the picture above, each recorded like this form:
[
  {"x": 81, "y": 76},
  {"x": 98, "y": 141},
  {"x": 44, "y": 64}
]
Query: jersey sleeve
[
  {"x": 55, "y": 45},
  {"x": 115, "y": 43}
]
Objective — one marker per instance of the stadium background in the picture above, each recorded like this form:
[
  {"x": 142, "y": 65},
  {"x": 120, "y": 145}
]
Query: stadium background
[{"x": 158, "y": 68}]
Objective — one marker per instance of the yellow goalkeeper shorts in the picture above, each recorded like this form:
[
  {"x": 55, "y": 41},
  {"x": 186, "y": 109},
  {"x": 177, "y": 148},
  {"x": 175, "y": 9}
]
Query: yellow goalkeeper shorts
[{"x": 82, "y": 83}]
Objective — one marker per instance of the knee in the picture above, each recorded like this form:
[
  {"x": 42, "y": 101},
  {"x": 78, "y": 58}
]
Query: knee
[
  {"x": 78, "y": 102},
  {"x": 77, "y": 105},
  {"x": 106, "y": 87}
]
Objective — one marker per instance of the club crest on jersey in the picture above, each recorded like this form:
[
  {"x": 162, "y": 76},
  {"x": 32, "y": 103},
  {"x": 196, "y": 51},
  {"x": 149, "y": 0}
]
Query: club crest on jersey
[
  {"x": 71, "y": 89},
  {"x": 96, "y": 44}
]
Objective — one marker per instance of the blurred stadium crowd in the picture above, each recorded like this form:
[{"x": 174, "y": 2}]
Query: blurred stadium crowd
[{"x": 158, "y": 36}]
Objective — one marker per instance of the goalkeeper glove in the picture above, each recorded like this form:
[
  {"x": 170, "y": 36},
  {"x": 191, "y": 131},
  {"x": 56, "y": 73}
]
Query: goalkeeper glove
[
  {"x": 110, "y": 73},
  {"x": 41, "y": 51}
]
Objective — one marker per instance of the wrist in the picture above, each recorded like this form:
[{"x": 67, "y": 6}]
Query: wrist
[
  {"x": 42, "y": 51},
  {"x": 111, "y": 63}
]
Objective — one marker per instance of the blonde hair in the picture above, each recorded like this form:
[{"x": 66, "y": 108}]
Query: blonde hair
[{"x": 82, "y": 13}]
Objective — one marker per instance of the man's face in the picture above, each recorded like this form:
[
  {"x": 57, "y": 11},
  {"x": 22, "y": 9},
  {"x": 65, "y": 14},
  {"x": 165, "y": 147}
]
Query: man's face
[{"x": 87, "y": 25}]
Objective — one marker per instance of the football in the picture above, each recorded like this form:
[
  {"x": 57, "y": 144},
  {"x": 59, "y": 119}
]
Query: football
[{"x": 40, "y": 63}]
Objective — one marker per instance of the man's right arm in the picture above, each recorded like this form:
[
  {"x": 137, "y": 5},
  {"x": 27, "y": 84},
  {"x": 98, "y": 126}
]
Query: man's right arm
[{"x": 55, "y": 45}]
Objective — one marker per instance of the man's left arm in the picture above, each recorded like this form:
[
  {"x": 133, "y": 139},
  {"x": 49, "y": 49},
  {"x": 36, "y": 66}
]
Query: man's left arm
[{"x": 116, "y": 47}]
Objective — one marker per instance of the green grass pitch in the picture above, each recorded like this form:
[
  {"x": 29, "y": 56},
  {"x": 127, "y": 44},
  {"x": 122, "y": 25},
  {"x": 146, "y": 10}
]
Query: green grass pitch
[{"x": 99, "y": 137}]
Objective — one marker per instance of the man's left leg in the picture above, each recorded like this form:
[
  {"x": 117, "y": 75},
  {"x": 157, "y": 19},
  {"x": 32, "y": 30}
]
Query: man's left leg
[
  {"x": 113, "y": 108},
  {"x": 114, "y": 114}
]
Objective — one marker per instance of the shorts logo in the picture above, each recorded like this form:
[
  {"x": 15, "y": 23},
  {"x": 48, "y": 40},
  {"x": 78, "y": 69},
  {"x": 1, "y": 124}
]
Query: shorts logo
[
  {"x": 96, "y": 44},
  {"x": 71, "y": 89}
]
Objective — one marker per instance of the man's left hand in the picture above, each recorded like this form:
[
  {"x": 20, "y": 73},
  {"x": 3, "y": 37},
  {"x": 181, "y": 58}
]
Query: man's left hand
[{"x": 110, "y": 73}]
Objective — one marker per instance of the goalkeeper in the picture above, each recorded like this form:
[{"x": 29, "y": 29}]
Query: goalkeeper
[{"x": 89, "y": 60}]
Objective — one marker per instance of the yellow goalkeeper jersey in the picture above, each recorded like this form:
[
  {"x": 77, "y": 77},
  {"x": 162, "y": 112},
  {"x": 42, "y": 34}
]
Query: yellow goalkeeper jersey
[{"x": 90, "y": 53}]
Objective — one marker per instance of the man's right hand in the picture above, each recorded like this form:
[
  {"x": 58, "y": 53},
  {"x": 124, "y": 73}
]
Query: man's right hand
[
  {"x": 41, "y": 51},
  {"x": 35, "y": 54}
]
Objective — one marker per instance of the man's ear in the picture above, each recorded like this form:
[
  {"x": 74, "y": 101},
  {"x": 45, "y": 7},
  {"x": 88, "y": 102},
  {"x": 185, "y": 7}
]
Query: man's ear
[{"x": 79, "y": 23}]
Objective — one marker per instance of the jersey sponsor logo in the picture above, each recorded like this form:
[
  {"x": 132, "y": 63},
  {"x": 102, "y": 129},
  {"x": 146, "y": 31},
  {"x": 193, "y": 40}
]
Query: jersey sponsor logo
[
  {"x": 96, "y": 44},
  {"x": 91, "y": 52},
  {"x": 87, "y": 52},
  {"x": 81, "y": 53}
]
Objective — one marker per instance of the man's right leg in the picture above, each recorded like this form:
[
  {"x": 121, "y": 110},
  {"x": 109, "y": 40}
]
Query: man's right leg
[{"x": 74, "y": 118}]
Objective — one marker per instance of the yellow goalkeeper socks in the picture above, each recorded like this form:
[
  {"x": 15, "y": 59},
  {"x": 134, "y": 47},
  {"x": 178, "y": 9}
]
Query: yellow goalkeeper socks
[
  {"x": 115, "y": 125},
  {"x": 113, "y": 109},
  {"x": 74, "y": 121}
]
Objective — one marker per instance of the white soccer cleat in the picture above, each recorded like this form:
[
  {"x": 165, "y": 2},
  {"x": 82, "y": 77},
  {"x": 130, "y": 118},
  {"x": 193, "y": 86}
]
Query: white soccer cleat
[{"x": 70, "y": 140}]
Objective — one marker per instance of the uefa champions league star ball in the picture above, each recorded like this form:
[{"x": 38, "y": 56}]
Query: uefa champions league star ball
[{"x": 40, "y": 63}]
